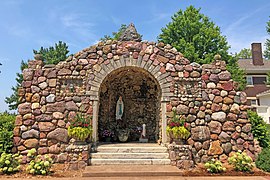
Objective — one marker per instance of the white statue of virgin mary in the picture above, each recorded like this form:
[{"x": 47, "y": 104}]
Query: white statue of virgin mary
[{"x": 119, "y": 108}]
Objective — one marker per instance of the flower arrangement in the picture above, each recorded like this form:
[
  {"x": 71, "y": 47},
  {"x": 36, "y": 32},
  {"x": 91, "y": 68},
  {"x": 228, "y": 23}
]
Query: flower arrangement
[
  {"x": 177, "y": 127},
  {"x": 80, "y": 127},
  {"x": 107, "y": 133}
]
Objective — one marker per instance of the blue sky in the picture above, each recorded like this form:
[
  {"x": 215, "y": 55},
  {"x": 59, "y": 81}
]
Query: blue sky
[{"x": 29, "y": 24}]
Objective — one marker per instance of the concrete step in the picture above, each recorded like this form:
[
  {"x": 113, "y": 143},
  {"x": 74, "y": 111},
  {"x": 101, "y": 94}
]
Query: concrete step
[
  {"x": 105, "y": 149},
  {"x": 129, "y": 155},
  {"x": 131, "y": 171},
  {"x": 130, "y": 161}
]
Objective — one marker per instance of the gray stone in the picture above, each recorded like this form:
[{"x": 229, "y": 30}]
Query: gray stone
[
  {"x": 211, "y": 85},
  {"x": 30, "y": 134},
  {"x": 59, "y": 134},
  {"x": 58, "y": 115},
  {"x": 215, "y": 127},
  {"x": 224, "y": 137},
  {"x": 130, "y": 34},
  {"x": 56, "y": 107},
  {"x": 214, "y": 78},
  {"x": 246, "y": 128},
  {"x": 46, "y": 126},
  {"x": 224, "y": 76},
  {"x": 50, "y": 98},
  {"x": 24, "y": 108},
  {"x": 219, "y": 116},
  {"x": 170, "y": 67},
  {"x": 182, "y": 109},
  {"x": 43, "y": 85},
  {"x": 227, "y": 147},
  {"x": 28, "y": 74},
  {"x": 71, "y": 106},
  {"x": 200, "y": 133},
  {"x": 201, "y": 114},
  {"x": 235, "y": 109}
]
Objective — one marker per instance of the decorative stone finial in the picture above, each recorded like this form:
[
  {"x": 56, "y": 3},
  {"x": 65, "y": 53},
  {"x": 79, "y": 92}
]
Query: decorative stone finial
[
  {"x": 217, "y": 57},
  {"x": 38, "y": 57},
  {"x": 130, "y": 34}
]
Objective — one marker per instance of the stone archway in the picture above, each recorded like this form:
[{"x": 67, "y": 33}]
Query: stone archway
[
  {"x": 141, "y": 95},
  {"x": 102, "y": 71}
]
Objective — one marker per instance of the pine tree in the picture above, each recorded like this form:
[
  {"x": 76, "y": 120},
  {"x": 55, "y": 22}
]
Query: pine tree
[
  {"x": 13, "y": 99},
  {"x": 53, "y": 55}
]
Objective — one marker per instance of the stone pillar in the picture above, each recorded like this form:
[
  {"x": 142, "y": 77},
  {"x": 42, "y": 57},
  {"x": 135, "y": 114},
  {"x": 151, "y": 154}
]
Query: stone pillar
[
  {"x": 95, "y": 120},
  {"x": 164, "y": 122}
]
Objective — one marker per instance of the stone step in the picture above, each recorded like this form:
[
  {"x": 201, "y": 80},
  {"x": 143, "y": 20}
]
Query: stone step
[
  {"x": 130, "y": 161},
  {"x": 132, "y": 149},
  {"x": 131, "y": 171},
  {"x": 129, "y": 155}
]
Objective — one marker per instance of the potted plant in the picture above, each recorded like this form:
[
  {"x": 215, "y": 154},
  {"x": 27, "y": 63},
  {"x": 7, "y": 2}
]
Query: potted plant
[
  {"x": 177, "y": 129},
  {"x": 107, "y": 135},
  {"x": 80, "y": 127}
]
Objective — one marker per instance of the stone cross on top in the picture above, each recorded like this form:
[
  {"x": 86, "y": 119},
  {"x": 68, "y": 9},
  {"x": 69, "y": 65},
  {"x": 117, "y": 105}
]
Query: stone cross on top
[{"x": 130, "y": 34}]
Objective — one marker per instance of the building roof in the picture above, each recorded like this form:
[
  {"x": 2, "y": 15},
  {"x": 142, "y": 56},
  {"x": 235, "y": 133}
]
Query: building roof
[
  {"x": 264, "y": 93},
  {"x": 249, "y": 67},
  {"x": 256, "y": 89}
]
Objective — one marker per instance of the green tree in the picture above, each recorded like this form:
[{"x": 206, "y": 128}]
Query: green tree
[
  {"x": 115, "y": 35},
  {"x": 244, "y": 54},
  {"x": 199, "y": 39},
  {"x": 53, "y": 55},
  {"x": 237, "y": 73},
  {"x": 268, "y": 79},
  {"x": 194, "y": 35},
  {"x": 6, "y": 131},
  {"x": 13, "y": 99},
  {"x": 267, "y": 43}
]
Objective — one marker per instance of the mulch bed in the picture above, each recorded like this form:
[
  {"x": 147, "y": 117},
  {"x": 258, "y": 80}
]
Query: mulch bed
[
  {"x": 59, "y": 170},
  {"x": 199, "y": 170}
]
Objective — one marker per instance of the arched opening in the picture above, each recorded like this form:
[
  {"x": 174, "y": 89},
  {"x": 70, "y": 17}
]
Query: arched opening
[{"x": 141, "y": 96}]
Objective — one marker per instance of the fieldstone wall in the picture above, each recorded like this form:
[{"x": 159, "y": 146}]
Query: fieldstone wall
[
  {"x": 181, "y": 156},
  {"x": 52, "y": 94}
]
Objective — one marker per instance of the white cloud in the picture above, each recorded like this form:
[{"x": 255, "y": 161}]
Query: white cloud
[{"x": 18, "y": 30}]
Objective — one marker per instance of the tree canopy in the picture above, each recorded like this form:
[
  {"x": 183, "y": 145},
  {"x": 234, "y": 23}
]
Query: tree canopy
[
  {"x": 199, "y": 39},
  {"x": 194, "y": 35},
  {"x": 267, "y": 43},
  {"x": 53, "y": 55},
  {"x": 244, "y": 54}
]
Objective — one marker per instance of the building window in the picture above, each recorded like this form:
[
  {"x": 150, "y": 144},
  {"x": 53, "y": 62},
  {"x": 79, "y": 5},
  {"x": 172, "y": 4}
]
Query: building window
[
  {"x": 249, "y": 80},
  {"x": 259, "y": 80},
  {"x": 253, "y": 102}
]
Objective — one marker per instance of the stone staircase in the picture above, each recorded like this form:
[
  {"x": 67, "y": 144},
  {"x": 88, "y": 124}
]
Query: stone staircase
[{"x": 130, "y": 153}]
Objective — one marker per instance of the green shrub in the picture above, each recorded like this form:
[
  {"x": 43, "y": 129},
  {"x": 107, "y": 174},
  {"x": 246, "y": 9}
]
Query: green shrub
[
  {"x": 39, "y": 165},
  {"x": 241, "y": 162},
  {"x": 263, "y": 160},
  {"x": 6, "y": 131},
  {"x": 259, "y": 129},
  {"x": 9, "y": 163},
  {"x": 214, "y": 166}
]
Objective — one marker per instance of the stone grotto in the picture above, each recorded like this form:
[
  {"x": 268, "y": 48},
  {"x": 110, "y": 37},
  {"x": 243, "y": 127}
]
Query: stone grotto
[{"x": 152, "y": 78}]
